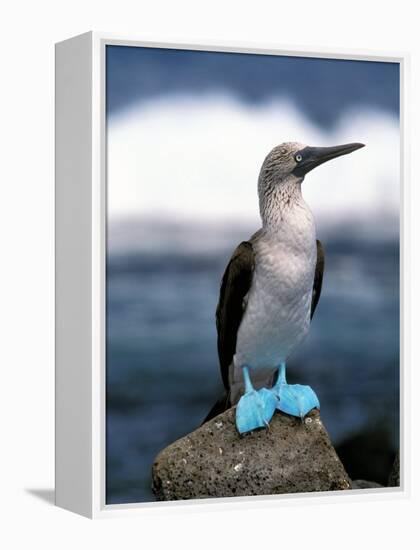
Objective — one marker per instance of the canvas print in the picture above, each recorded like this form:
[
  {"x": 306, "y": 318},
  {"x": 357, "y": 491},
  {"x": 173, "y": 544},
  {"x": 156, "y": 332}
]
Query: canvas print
[{"x": 252, "y": 276}]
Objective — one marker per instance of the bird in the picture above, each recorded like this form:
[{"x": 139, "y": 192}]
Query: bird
[{"x": 269, "y": 292}]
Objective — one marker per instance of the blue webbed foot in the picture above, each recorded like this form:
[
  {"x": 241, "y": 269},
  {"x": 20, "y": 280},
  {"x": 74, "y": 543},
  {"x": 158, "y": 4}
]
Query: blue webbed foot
[
  {"x": 294, "y": 399},
  {"x": 255, "y": 408}
]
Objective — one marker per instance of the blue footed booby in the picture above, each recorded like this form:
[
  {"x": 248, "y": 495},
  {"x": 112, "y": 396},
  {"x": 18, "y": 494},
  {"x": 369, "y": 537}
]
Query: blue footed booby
[{"x": 269, "y": 293}]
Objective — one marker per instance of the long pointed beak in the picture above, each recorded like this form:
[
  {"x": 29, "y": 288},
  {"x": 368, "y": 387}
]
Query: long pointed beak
[{"x": 311, "y": 157}]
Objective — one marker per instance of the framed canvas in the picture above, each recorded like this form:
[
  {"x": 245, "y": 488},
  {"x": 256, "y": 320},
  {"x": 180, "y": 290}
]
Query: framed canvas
[{"x": 202, "y": 250}]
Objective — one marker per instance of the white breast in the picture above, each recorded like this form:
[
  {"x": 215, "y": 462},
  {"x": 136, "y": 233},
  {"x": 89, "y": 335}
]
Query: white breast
[{"x": 277, "y": 314}]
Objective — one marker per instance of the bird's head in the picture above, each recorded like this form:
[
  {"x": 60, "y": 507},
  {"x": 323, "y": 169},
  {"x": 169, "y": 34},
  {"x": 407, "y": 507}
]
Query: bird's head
[
  {"x": 285, "y": 167},
  {"x": 296, "y": 159}
]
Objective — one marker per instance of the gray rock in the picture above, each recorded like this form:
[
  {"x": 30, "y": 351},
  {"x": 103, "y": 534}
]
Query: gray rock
[
  {"x": 394, "y": 476},
  {"x": 363, "y": 484},
  {"x": 215, "y": 461}
]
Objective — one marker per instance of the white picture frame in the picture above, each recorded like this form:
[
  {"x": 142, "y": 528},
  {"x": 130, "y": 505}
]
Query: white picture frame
[{"x": 80, "y": 275}]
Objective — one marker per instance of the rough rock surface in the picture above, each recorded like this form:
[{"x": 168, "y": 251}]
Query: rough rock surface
[
  {"x": 215, "y": 461},
  {"x": 394, "y": 476},
  {"x": 363, "y": 484}
]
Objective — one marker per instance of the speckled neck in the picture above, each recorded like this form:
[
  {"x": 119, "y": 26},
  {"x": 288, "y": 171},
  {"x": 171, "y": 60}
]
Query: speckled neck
[{"x": 280, "y": 202}]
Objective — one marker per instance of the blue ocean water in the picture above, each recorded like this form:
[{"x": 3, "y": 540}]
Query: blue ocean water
[
  {"x": 323, "y": 88},
  {"x": 162, "y": 367}
]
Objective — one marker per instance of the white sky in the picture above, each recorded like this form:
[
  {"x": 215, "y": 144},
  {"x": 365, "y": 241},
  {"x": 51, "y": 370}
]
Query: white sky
[{"x": 199, "y": 158}]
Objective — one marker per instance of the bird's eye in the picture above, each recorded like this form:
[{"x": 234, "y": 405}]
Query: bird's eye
[{"x": 298, "y": 157}]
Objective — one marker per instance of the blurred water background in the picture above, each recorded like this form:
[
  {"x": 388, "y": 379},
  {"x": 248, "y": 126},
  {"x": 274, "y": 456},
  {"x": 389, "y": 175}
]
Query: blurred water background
[{"x": 187, "y": 133}]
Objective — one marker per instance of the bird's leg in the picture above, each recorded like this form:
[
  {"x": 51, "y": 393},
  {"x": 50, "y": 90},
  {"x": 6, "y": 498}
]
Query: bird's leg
[
  {"x": 255, "y": 408},
  {"x": 294, "y": 399}
]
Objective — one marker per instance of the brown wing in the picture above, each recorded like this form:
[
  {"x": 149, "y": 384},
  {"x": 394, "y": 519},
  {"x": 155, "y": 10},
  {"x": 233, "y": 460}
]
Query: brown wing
[
  {"x": 319, "y": 273},
  {"x": 235, "y": 285}
]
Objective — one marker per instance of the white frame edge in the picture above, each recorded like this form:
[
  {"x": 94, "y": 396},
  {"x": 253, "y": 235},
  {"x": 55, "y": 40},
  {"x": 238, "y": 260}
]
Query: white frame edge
[
  {"x": 80, "y": 279},
  {"x": 73, "y": 203}
]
